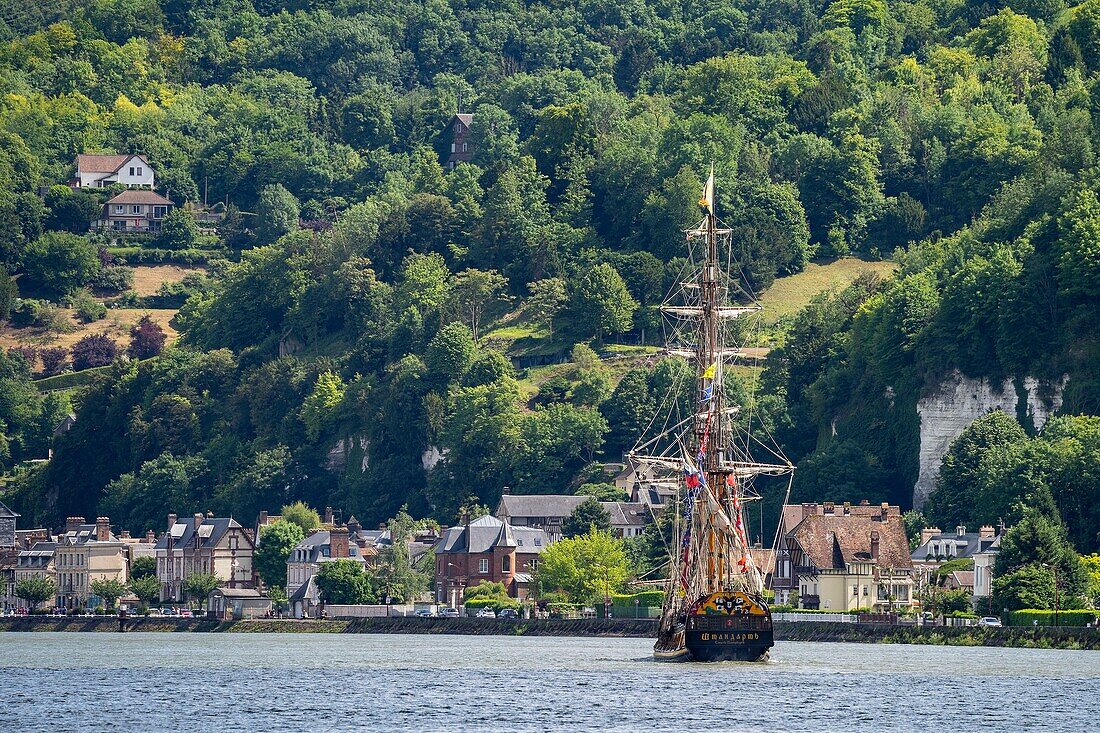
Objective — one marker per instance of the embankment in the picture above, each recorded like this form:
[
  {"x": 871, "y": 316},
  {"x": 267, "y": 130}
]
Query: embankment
[{"x": 1042, "y": 637}]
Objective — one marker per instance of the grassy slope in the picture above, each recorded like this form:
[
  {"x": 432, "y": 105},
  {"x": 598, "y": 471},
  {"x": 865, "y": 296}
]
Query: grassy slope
[{"x": 791, "y": 294}]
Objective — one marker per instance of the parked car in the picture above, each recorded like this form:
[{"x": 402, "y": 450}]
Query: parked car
[
  {"x": 169, "y": 612},
  {"x": 422, "y": 613},
  {"x": 508, "y": 613},
  {"x": 185, "y": 613},
  {"x": 989, "y": 621},
  {"x": 486, "y": 613},
  {"x": 449, "y": 613}
]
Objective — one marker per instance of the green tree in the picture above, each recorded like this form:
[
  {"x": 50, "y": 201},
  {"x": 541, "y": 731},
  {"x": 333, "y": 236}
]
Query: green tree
[
  {"x": 473, "y": 290},
  {"x": 275, "y": 544},
  {"x": 451, "y": 352},
  {"x": 35, "y": 591},
  {"x": 143, "y": 567},
  {"x": 601, "y": 304},
  {"x": 200, "y": 585},
  {"x": 178, "y": 230},
  {"x": 146, "y": 588},
  {"x": 602, "y": 492},
  {"x": 344, "y": 582},
  {"x": 589, "y": 515},
  {"x": 108, "y": 589},
  {"x": 586, "y": 568},
  {"x": 318, "y": 407},
  {"x": 953, "y": 500},
  {"x": 60, "y": 262},
  {"x": 276, "y": 213},
  {"x": 303, "y": 516},
  {"x": 546, "y": 299}
]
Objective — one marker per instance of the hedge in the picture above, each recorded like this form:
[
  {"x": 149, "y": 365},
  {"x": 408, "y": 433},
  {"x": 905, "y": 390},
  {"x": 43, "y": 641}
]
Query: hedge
[
  {"x": 1028, "y": 617},
  {"x": 150, "y": 256},
  {"x": 67, "y": 380},
  {"x": 476, "y": 604},
  {"x": 646, "y": 599}
]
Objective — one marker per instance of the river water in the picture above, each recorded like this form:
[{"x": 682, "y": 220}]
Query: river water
[{"x": 362, "y": 682}]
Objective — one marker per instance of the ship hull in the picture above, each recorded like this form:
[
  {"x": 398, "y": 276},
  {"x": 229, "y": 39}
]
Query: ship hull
[{"x": 725, "y": 627}]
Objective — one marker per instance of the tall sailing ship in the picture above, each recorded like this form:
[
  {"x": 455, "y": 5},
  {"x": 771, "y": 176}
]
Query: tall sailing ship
[{"x": 714, "y": 607}]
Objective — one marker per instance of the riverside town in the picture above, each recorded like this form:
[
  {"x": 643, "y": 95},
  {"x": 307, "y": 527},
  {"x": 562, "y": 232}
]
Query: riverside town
[{"x": 549, "y": 365}]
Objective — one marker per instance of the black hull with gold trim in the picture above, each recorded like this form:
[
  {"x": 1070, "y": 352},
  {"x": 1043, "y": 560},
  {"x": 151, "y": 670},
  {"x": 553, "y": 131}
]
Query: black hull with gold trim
[{"x": 728, "y": 639}]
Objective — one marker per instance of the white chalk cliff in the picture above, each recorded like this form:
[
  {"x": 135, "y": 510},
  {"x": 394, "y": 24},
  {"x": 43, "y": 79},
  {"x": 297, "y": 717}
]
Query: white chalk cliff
[{"x": 959, "y": 402}]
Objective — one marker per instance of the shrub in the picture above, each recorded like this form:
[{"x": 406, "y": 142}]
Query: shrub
[
  {"x": 496, "y": 603},
  {"x": 24, "y": 312},
  {"x": 53, "y": 360},
  {"x": 1028, "y": 617},
  {"x": 93, "y": 350},
  {"x": 26, "y": 352},
  {"x": 115, "y": 278},
  {"x": 646, "y": 599},
  {"x": 153, "y": 256},
  {"x": 87, "y": 308},
  {"x": 60, "y": 262},
  {"x": 146, "y": 339},
  {"x": 53, "y": 319}
]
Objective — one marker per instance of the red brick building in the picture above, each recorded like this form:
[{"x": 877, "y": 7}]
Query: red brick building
[
  {"x": 486, "y": 549},
  {"x": 462, "y": 146}
]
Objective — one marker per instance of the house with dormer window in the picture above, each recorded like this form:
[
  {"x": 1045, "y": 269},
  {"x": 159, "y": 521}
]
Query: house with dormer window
[
  {"x": 102, "y": 171},
  {"x": 202, "y": 545}
]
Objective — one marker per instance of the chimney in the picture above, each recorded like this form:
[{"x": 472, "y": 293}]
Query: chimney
[
  {"x": 102, "y": 529},
  {"x": 465, "y": 518},
  {"x": 960, "y": 530},
  {"x": 198, "y": 521},
  {"x": 262, "y": 521},
  {"x": 328, "y": 515},
  {"x": 986, "y": 532},
  {"x": 353, "y": 525},
  {"x": 885, "y": 510},
  {"x": 338, "y": 542},
  {"x": 864, "y": 502},
  {"x": 171, "y": 520},
  {"x": 847, "y": 508},
  {"x": 874, "y": 545},
  {"x": 72, "y": 524},
  {"x": 506, "y": 491},
  {"x": 829, "y": 507},
  {"x": 928, "y": 533},
  {"x": 150, "y": 537},
  {"x": 125, "y": 535}
]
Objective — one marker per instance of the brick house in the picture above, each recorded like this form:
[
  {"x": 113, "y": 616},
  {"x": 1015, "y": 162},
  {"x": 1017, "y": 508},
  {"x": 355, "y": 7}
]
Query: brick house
[
  {"x": 100, "y": 171},
  {"x": 217, "y": 545},
  {"x": 462, "y": 145},
  {"x": 486, "y": 549},
  {"x": 135, "y": 211}
]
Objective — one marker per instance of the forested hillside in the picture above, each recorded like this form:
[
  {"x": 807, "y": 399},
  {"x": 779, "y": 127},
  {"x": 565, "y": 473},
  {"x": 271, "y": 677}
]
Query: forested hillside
[{"x": 336, "y": 361}]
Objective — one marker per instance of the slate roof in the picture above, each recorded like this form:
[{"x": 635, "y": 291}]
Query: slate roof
[
  {"x": 6, "y": 513},
  {"x": 464, "y": 118},
  {"x": 966, "y": 544},
  {"x": 962, "y": 578},
  {"x": 485, "y": 533},
  {"x": 538, "y": 505},
  {"x": 830, "y": 541},
  {"x": 315, "y": 545},
  {"x": 240, "y": 593},
  {"x": 139, "y": 196},
  {"x": 83, "y": 534},
  {"x": 211, "y": 532},
  {"x": 95, "y": 163},
  {"x": 625, "y": 513},
  {"x": 38, "y": 556}
]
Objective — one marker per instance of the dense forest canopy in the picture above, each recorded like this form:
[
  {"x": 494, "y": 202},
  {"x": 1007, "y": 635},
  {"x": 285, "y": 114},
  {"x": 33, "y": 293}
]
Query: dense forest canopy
[{"x": 958, "y": 137}]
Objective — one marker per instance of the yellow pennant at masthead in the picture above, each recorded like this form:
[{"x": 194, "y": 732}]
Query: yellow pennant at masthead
[{"x": 707, "y": 201}]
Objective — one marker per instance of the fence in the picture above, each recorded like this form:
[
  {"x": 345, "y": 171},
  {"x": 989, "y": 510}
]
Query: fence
[{"x": 842, "y": 618}]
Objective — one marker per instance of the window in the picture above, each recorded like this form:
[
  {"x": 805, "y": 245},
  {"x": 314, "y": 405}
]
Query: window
[
  {"x": 135, "y": 208},
  {"x": 538, "y": 542},
  {"x": 483, "y": 565},
  {"x": 119, "y": 208},
  {"x": 506, "y": 564},
  {"x": 139, "y": 171},
  {"x": 131, "y": 170},
  {"x": 159, "y": 212},
  {"x": 855, "y": 590},
  {"x": 865, "y": 593},
  {"x": 464, "y": 147},
  {"x": 452, "y": 147}
]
